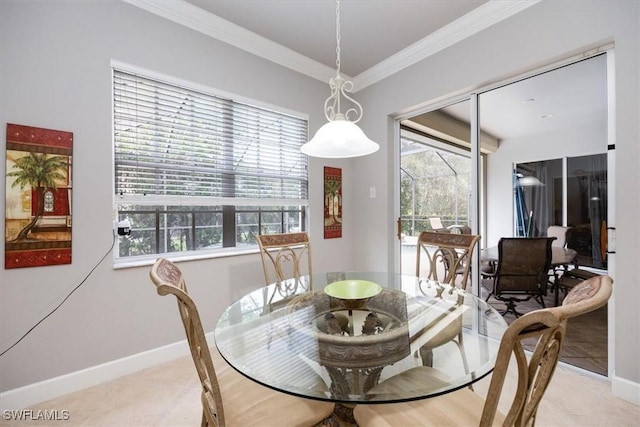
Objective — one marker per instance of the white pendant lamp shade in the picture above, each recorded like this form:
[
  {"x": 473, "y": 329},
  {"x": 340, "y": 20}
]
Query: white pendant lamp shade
[
  {"x": 339, "y": 138},
  {"x": 529, "y": 181}
]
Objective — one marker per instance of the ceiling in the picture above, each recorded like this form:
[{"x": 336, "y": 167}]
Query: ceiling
[
  {"x": 563, "y": 98},
  {"x": 378, "y": 37},
  {"x": 381, "y": 37},
  {"x": 371, "y": 30}
]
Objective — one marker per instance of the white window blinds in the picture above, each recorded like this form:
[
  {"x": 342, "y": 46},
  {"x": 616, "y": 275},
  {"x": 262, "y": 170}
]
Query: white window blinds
[{"x": 177, "y": 145}]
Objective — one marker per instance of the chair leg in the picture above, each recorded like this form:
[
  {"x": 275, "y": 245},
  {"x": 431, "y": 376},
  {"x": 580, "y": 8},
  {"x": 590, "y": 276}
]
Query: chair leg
[
  {"x": 511, "y": 308},
  {"x": 465, "y": 363},
  {"x": 427, "y": 356}
]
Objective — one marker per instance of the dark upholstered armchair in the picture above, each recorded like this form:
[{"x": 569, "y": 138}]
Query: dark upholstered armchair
[{"x": 521, "y": 273}]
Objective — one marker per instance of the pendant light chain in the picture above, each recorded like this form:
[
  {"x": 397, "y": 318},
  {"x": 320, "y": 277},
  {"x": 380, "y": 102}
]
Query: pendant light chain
[
  {"x": 337, "y": 37},
  {"x": 340, "y": 137}
]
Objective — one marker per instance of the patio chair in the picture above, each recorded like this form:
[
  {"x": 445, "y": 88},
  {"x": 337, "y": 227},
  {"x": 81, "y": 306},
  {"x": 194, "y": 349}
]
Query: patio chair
[
  {"x": 466, "y": 408},
  {"x": 521, "y": 273},
  {"x": 228, "y": 398},
  {"x": 560, "y": 233},
  {"x": 436, "y": 225}
]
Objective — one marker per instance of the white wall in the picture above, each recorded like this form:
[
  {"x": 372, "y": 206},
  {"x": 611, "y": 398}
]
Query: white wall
[
  {"x": 578, "y": 141},
  {"x": 55, "y": 63},
  {"x": 536, "y": 37}
]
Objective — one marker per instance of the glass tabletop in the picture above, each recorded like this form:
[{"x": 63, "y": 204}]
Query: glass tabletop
[{"x": 294, "y": 337}]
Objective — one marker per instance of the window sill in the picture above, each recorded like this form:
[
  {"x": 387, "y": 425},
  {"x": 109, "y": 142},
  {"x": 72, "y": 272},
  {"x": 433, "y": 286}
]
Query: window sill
[{"x": 144, "y": 261}]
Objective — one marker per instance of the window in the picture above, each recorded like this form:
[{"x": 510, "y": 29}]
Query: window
[{"x": 195, "y": 171}]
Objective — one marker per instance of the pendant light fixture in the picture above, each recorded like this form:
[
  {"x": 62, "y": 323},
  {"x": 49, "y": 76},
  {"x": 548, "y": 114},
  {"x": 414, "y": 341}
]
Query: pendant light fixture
[{"x": 340, "y": 137}]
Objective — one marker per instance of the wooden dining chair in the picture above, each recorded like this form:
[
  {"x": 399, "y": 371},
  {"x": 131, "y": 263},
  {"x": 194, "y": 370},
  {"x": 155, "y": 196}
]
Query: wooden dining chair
[
  {"x": 521, "y": 273},
  {"x": 447, "y": 257},
  {"x": 228, "y": 398},
  {"x": 534, "y": 373},
  {"x": 285, "y": 256}
]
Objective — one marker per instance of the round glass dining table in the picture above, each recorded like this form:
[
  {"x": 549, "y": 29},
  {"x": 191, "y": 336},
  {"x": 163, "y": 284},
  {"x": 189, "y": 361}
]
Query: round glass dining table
[{"x": 293, "y": 337}]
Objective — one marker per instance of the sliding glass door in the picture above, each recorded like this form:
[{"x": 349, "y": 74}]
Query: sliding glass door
[{"x": 542, "y": 162}]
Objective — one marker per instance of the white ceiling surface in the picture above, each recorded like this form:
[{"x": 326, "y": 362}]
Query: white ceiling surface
[
  {"x": 381, "y": 37},
  {"x": 563, "y": 98}
]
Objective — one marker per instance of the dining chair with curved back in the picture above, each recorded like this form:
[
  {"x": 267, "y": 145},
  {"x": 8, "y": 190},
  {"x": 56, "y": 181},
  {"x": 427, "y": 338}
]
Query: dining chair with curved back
[
  {"x": 228, "y": 398},
  {"x": 521, "y": 273},
  {"x": 534, "y": 373},
  {"x": 448, "y": 256},
  {"x": 285, "y": 256}
]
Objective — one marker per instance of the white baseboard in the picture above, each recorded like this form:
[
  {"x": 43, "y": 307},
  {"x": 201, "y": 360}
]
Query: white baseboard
[
  {"x": 29, "y": 395},
  {"x": 625, "y": 389}
]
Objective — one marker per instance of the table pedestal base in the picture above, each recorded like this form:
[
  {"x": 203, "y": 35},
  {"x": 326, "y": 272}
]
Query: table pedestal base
[{"x": 342, "y": 417}]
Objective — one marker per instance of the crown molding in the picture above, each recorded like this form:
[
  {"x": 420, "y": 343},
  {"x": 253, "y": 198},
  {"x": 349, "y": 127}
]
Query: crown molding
[
  {"x": 184, "y": 13},
  {"x": 190, "y": 16},
  {"x": 483, "y": 17}
]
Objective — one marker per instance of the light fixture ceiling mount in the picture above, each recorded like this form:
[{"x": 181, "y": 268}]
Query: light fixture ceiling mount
[{"x": 340, "y": 137}]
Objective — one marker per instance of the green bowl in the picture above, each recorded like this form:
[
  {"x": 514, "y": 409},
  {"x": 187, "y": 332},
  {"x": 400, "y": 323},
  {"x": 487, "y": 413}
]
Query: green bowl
[{"x": 353, "y": 290}]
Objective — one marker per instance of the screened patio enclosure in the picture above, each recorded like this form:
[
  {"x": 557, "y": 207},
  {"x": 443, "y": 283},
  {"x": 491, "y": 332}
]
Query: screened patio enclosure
[{"x": 435, "y": 181}]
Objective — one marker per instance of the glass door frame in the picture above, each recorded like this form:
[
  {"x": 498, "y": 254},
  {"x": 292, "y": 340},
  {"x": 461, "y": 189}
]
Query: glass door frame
[{"x": 478, "y": 192}]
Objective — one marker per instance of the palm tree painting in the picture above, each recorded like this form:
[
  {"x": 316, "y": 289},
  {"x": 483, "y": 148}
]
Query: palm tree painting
[
  {"x": 332, "y": 202},
  {"x": 38, "y": 191},
  {"x": 37, "y": 170}
]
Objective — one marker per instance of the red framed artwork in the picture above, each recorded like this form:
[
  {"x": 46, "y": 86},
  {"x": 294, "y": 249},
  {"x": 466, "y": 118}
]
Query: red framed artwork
[
  {"x": 332, "y": 202},
  {"x": 38, "y": 197}
]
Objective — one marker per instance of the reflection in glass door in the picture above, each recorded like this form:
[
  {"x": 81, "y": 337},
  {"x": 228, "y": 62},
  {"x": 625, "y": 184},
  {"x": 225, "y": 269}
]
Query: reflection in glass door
[{"x": 540, "y": 201}]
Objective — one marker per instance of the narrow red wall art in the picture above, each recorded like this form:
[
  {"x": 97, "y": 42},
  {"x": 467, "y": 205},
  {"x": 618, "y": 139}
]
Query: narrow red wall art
[
  {"x": 332, "y": 202},
  {"x": 38, "y": 197}
]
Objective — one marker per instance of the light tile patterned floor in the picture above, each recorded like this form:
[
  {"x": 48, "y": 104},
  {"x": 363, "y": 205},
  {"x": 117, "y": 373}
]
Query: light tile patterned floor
[{"x": 169, "y": 395}]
